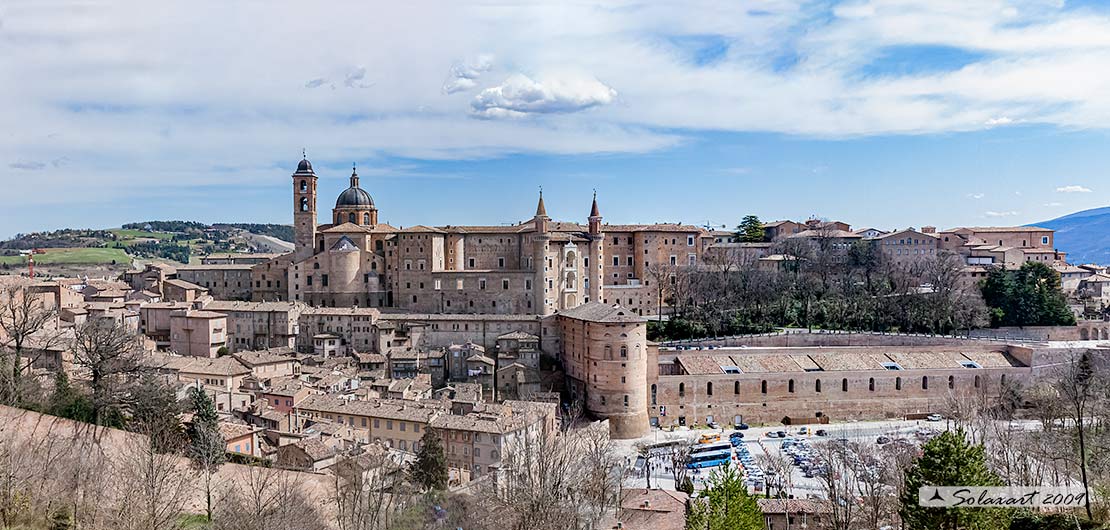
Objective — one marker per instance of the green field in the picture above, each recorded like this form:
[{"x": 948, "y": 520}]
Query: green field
[
  {"x": 139, "y": 234},
  {"x": 73, "y": 256}
]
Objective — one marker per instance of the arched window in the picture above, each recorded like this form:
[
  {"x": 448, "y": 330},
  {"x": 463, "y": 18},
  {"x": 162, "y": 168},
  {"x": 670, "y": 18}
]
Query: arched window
[
  {"x": 351, "y": 218},
  {"x": 608, "y": 352},
  {"x": 844, "y": 385},
  {"x": 304, "y": 185},
  {"x": 817, "y": 386},
  {"x": 304, "y": 204},
  {"x": 373, "y": 265},
  {"x": 709, "y": 388},
  {"x": 976, "y": 381},
  {"x": 898, "y": 383},
  {"x": 365, "y": 218},
  {"x": 871, "y": 384},
  {"x": 924, "y": 382},
  {"x": 1002, "y": 380},
  {"x": 736, "y": 388},
  {"x": 763, "y": 386},
  {"x": 316, "y": 265},
  {"x": 951, "y": 382},
  {"x": 790, "y": 386},
  {"x": 653, "y": 394},
  {"x": 682, "y": 390}
]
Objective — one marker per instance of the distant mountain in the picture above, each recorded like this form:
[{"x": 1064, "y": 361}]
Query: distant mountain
[{"x": 1084, "y": 235}]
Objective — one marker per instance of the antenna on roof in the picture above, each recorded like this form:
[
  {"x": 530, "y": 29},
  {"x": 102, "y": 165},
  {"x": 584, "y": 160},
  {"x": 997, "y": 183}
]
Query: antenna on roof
[{"x": 304, "y": 154}]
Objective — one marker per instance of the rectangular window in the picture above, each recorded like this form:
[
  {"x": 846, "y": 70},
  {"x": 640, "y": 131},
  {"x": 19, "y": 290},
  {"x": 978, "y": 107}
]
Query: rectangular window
[
  {"x": 689, "y": 241},
  {"x": 505, "y": 284},
  {"x": 324, "y": 280},
  {"x": 470, "y": 263},
  {"x": 616, "y": 261},
  {"x": 482, "y": 283},
  {"x": 501, "y": 263}
]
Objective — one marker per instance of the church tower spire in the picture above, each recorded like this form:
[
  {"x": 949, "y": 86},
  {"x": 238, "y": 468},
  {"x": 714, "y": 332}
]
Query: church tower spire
[
  {"x": 593, "y": 274},
  {"x": 541, "y": 210}
]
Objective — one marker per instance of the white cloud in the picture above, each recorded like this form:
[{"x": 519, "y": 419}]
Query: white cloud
[
  {"x": 521, "y": 96},
  {"x": 166, "y": 92},
  {"x": 1073, "y": 189},
  {"x": 464, "y": 75},
  {"x": 1053, "y": 204},
  {"x": 990, "y": 213},
  {"x": 975, "y": 196}
]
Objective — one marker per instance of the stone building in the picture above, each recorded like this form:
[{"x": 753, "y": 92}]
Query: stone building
[
  {"x": 224, "y": 281},
  {"x": 197, "y": 333},
  {"x": 538, "y": 266},
  {"x": 606, "y": 358}
]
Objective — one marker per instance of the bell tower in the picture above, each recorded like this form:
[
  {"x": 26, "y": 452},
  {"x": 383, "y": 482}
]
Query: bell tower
[{"x": 304, "y": 210}]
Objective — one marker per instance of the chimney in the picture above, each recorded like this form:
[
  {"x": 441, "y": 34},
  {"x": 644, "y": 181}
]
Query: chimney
[{"x": 928, "y": 230}]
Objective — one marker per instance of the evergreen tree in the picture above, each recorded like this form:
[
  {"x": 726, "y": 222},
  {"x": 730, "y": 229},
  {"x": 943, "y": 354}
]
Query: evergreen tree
[
  {"x": 61, "y": 520},
  {"x": 950, "y": 460},
  {"x": 68, "y": 402},
  {"x": 1029, "y": 296},
  {"x": 430, "y": 468},
  {"x": 154, "y": 411},
  {"x": 750, "y": 230},
  {"x": 687, "y": 486},
  {"x": 207, "y": 447},
  {"x": 724, "y": 505}
]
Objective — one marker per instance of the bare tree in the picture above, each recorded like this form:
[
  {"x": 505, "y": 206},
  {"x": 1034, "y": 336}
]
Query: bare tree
[
  {"x": 660, "y": 274},
  {"x": 28, "y": 328},
  {"x": 106, "y": 351},
  {"x": 1082, "y": 389},
  {"x": 540, "y": 486},
  {"x": 151, "y": 488},
  {"x": 839, "y": 483},
  {"x": 368, "y": 490},
  {"x": 264, "y": 498},
  {"x": 680, "y": 453}
]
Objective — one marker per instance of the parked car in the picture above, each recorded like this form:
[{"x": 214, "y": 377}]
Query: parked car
[
  {"x": 740, "y": 426},
  {"x": 781, "y": 434},
  {"x": 772, "y": 434},
  {"x": 934, "y": 417},
  {"x": 821, "y": 432},
  {"x": 882, "y": 440},
  {"x": 803, "y": 430},
  {"x": 736, "y": 434},
  {"x": 714, "y": 425}
]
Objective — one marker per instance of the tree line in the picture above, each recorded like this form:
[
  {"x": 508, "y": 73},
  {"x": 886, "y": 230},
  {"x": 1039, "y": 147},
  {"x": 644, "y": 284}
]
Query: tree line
[{"x": 824, "y": 282}]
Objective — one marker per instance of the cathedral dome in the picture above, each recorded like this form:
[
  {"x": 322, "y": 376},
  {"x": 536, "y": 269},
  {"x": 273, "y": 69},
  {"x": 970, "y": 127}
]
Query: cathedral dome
[{"x": 354, "y": 197}]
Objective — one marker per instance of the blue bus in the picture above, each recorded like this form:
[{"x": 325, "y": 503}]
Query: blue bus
[
  {"x": 709, "y": 459},
  {"x": 705, "y": 448}
]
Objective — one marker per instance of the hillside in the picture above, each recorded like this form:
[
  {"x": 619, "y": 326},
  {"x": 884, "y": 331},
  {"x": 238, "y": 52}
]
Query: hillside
[
  {"x": 178, "y": 241},
  {"x": 1084, "y": 235}
]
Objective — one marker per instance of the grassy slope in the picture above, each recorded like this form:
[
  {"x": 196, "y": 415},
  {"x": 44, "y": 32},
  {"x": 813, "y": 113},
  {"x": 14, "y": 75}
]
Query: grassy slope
[{"x": 73, "y": 256}]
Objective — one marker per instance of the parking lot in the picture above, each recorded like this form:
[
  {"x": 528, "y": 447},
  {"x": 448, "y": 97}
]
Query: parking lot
[{"x": 758, "y": 453}]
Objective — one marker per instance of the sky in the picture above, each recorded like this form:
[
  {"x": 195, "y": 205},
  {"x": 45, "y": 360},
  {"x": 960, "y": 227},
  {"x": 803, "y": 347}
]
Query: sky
[{"x": 883, "y": 114}]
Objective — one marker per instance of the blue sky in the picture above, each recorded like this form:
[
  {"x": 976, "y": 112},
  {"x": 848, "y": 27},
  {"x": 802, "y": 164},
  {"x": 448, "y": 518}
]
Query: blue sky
[{"x": 885, "y": 114}]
